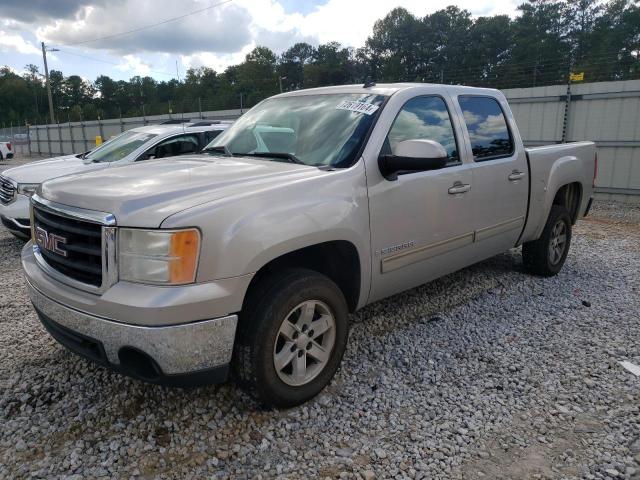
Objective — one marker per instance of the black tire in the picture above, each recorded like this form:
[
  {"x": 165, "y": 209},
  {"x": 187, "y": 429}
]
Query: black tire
[
  {"x": 267, "y": 306},
  {"x": 536, "y": 255}
]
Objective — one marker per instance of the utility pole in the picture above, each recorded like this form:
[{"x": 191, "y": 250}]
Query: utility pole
[
  {"x": 567, "y": 105},
  {"x": 46, "y": 76},
  {"x": 280, "y": 81}
]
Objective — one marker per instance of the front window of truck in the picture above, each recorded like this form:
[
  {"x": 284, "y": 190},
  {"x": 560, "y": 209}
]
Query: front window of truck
[
  {"x": 119, "y": 147},
  {"x": 317, "y": 130}
]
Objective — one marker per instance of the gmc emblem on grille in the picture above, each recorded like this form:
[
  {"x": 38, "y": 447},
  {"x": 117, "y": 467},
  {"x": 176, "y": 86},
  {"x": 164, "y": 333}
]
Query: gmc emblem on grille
[{"x": 50, "y": 241}]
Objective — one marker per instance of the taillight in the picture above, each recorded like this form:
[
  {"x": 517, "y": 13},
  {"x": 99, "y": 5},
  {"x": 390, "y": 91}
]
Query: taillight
[
  {"x": 595, "y": 171},
  {"x": 9, "y": 145}
]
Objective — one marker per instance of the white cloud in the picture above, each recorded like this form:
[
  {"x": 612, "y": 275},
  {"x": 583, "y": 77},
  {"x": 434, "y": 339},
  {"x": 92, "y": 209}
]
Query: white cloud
[
  {"x": 492, "y": 124},
  {"x": 15, "y": 43},
  {"x": 217, "y": 37},
  {"x": 213, "y": 60},
  {"x": 134, "y": 64},
  {"x": 223, "y": 29},
  {"x": 350, "y": 22}
]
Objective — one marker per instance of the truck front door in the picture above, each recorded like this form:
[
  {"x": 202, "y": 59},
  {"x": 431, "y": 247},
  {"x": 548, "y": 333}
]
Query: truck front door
[{"x": 421, "y": 222}]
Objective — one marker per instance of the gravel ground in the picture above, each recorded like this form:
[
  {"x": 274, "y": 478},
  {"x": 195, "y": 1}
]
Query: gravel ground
[{"x": 486, "y": 373}]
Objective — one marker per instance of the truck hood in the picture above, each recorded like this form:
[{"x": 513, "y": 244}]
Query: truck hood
[
  {"x": 43, "y": 170},
  {"x": 145, "y": 193}
]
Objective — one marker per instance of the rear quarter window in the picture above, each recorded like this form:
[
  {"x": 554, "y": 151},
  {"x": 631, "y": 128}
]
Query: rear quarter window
[{"x": 487, "y": 127}]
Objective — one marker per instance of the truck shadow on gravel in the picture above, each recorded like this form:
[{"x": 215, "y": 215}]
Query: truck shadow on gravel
[{"x": 425, "y": 302}]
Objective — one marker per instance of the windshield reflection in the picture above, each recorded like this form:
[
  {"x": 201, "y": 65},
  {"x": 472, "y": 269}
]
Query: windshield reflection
[{"x": 318, "y": 130}]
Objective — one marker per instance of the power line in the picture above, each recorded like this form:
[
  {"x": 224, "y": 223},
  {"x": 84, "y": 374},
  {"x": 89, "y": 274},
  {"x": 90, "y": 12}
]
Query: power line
[
  {"x": 507, "y": 64},
  {"x": 109, "y": 62},
  {"x": 147, "y": 27}
]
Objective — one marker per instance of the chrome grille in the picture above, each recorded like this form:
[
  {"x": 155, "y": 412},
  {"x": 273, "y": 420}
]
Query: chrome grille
[
  {"x": 7, "y": 190},
  {"x": 74, "y": 245}
]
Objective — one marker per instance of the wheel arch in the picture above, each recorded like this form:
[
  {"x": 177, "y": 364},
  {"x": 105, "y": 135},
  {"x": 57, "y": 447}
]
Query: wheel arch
[
  {"x": 569, "y": 196},
  {"x": 337, "y": 259}
]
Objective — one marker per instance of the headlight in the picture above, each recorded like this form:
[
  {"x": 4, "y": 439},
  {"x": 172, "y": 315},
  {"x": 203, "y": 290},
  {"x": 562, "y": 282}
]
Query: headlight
[
  {"x": 157, "y": 256},
  {"x": 27, "y": 189}
]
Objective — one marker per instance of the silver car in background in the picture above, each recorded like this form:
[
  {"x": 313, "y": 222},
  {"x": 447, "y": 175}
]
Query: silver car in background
[{"x": 17, "y": 184}]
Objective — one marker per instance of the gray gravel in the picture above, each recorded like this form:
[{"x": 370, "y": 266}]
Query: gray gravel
[{"x": 487, "y": 373}]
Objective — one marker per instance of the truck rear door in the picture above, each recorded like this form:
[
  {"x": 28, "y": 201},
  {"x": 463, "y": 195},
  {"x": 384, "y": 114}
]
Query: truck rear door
[{"x": 500, "y": 173}]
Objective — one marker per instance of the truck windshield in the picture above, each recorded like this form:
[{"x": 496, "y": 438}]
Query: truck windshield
[
  {"x": 317, "y": 130},
  {"x": 119, "y": 147}
]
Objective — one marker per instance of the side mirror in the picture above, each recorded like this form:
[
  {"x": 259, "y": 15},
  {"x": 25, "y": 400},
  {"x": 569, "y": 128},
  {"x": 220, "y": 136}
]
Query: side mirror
[
  {"x": 147, "y": 156},
  {"x": 413, "y": 156}
]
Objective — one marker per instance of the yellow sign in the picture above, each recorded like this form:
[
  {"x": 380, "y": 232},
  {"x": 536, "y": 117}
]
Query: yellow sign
[{"x": 576, "y": 77}]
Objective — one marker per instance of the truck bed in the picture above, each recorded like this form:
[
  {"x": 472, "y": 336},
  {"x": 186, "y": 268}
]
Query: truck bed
[{"x": 550, "y": 167}]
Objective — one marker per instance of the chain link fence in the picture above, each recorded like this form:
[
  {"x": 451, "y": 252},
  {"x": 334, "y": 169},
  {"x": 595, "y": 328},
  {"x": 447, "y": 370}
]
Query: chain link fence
[
  {"x": 19, "y": 138},
  {"x": 77, "y": 137}
]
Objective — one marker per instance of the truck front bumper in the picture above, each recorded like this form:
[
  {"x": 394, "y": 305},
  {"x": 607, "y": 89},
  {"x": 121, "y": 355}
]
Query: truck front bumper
[{"x": 182, "y": 355}]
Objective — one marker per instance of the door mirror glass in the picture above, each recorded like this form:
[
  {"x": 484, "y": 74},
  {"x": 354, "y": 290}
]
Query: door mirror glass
[
  {"x": 413, "y": 156},
  {"x": 148, "y": 155}
]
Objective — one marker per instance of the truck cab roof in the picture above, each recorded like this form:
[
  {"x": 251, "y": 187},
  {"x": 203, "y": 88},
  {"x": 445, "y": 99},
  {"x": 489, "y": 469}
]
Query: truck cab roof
[{"x": 391, "y": 88}]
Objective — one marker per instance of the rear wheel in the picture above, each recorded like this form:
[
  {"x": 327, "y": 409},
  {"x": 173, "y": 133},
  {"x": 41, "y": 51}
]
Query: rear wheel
[
  {"x": 546, "y": 256},
  {"x": 291, "y": 337}
]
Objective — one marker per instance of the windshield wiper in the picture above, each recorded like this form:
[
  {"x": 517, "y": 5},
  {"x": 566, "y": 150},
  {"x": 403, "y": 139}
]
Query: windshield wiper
[
  {"x": 290, "y": 157},
  {"x": 220, "y": 149}
]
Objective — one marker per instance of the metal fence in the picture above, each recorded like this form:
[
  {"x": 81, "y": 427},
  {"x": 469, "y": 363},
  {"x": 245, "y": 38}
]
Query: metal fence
[
  {"x": 76, "y": 137},
  {"x": 605, "y": 112}
]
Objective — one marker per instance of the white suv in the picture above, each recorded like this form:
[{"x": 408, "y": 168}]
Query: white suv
[{"x": 155, "y": 141}]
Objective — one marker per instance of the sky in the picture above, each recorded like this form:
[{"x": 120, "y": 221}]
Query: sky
[{"x": 212, "y": 33}]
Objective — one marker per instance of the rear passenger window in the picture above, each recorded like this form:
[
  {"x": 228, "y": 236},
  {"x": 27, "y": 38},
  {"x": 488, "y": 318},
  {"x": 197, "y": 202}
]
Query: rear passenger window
[
  {"x": 487, "y": 127},
  {"x": 425, "y": 118}
]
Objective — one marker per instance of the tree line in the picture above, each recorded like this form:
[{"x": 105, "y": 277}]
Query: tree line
[{"x": 540, "y": 46}]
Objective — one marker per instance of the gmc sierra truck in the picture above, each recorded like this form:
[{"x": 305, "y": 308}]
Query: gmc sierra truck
[{"x": 247, "y": 258}]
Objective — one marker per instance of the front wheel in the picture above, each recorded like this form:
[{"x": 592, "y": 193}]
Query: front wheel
[
  {"x": 291, "y": 337},
  {"x": 546, "y": 256}
]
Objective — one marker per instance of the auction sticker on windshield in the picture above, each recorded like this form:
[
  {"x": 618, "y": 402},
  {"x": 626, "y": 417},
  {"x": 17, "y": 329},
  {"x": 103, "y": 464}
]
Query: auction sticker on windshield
[{"x": 359, "y": 107}]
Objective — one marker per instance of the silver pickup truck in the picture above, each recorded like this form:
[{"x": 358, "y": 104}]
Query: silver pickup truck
[{"x": 248, "y": 257}]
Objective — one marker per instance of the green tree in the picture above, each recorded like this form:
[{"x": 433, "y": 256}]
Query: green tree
[
  {"x": 291, "y": 65},
  {"x": 331, "y": 65},
  {"x": 397, "y": 46},
  {"x": 256, "y": 76},
  {"x": 581, "y": 17},
  {"x": 537, "y": 47},
  {"x": 540, "y": 54}
]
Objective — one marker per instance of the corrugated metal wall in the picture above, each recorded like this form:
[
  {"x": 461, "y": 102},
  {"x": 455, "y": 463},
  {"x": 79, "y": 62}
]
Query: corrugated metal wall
[
  {"x": 76, "y": 137},
  {"x": 607, "y": 113}
]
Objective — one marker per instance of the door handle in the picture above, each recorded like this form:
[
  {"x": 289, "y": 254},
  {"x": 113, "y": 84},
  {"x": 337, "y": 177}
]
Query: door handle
[
  {"x": 515, "y": 176},
  {"x": 459, "y": 187}
]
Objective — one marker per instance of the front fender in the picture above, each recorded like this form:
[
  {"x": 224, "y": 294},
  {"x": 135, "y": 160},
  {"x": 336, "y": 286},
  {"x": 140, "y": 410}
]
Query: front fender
[{"x": 240, "y": 235}]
